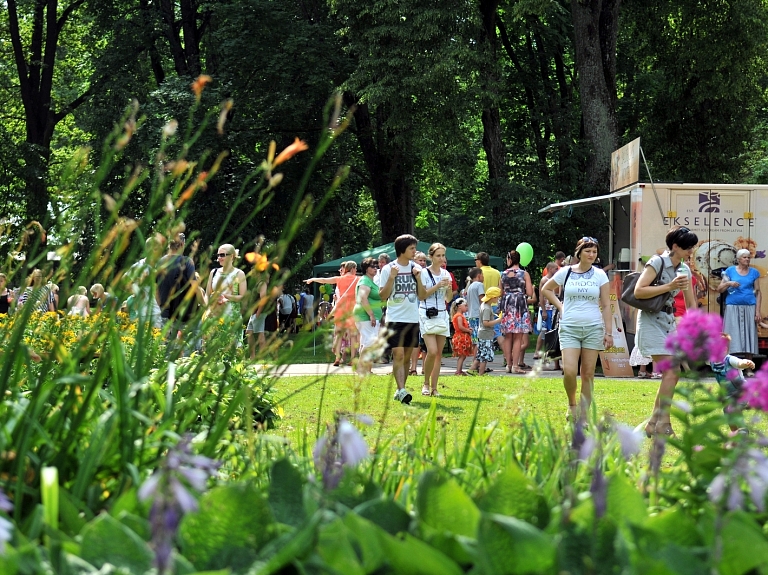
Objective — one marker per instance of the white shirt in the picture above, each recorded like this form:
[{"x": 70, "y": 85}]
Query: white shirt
[
  {"x": 402, "y": 303},
  {"x": 437, "y": 299},
  {"x": 581, "y": 305}
]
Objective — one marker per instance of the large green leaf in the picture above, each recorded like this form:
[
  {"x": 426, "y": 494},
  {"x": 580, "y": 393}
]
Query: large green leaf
[
  {"x": 516, "y": 495},
  {"x": 285, "y": 493},
  {"x": 625, "y": 503},
  {"x": 743, "y": 543},
  {"x": 443, "y": 505},
  {"x": 228, "y": 531},
  {"x": 106, "y": 540},
  {"x": 510, "y": 546},
  {"x": 336, "y": 550},
  {"x": 675, "y": 526},
  {"x": 385, "y": 513},
  {"x": 368, "y": 541},
  {"x": 410, "y": 556}
]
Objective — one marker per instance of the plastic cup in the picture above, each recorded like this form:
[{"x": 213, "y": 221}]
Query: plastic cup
[{"x": 685, "y": 287}]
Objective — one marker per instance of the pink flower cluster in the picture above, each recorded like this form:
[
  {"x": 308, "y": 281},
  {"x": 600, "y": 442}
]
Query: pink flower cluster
[
  {"x": 697, "y": 339},
  {"x": 755, "y": 390}
]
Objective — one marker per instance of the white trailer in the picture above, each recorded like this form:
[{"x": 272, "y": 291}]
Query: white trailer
[{"x": 725, "y": 217}]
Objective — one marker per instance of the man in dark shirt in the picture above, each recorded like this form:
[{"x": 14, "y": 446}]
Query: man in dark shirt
[{"x": 173, "y": 293}]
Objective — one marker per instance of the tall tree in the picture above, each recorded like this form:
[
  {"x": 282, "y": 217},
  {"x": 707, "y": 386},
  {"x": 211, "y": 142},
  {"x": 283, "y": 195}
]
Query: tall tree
[
  {"x": 595, "y": 30},
  {"x": 36, "y": 66},
  {"x": 693, "y": 78},
  {"x": 409, "y": 89}
]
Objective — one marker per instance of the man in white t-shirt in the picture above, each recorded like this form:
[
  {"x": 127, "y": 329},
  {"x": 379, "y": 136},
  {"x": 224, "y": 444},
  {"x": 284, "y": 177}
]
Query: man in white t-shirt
[{"x": 401, "y": 289}]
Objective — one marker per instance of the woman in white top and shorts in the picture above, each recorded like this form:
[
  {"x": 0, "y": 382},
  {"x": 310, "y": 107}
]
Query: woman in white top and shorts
[
  {"x": 585, "y": 320},
  {"x": 434, "y": 323},
  {"x": 653, "y": 328}
]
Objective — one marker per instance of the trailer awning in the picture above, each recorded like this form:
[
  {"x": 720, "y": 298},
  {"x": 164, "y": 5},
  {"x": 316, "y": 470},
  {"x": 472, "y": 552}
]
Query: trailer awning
[{"x": 585, "y": 201}]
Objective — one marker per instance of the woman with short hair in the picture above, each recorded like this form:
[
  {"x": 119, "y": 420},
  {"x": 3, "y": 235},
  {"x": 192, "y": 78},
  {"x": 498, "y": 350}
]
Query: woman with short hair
[
  {"x": 343, "y": 311},
  {"x": 653, "y": 328},
  {"x": 367, "y": 312},
  {"x": 742, "y": 306}
]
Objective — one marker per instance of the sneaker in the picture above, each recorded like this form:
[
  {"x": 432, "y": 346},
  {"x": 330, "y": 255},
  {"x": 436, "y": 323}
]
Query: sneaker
[{"x": 403, "y": 396}]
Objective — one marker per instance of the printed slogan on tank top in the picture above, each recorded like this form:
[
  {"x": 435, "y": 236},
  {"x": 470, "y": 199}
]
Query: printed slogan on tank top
[
  {"x": 405, "y": 287},
  {"x": 583, "y": 289}
]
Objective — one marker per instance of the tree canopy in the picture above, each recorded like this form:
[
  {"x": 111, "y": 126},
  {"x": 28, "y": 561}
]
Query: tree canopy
[{"x": 465, "y": 117}]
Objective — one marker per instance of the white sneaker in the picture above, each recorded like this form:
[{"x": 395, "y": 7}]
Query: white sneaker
[{"x": 403, "y": 396}]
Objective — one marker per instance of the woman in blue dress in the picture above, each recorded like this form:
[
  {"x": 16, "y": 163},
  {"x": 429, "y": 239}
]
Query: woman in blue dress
[{"x": 742, "y": 305}]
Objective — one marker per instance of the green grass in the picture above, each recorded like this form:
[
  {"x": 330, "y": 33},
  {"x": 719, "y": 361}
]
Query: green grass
[{"x": 502, "y": 401}]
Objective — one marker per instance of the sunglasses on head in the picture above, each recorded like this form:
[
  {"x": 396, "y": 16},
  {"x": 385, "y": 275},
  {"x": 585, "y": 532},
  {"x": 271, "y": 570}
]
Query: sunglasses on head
[{"x": 588, "y": 239}]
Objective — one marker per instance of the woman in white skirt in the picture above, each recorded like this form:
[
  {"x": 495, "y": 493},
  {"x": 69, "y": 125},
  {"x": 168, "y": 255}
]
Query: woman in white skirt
[
  {"x": 434, "y": 323},
  {"x": 653, "y": 328},
  {"x": 742, "y": 306}
]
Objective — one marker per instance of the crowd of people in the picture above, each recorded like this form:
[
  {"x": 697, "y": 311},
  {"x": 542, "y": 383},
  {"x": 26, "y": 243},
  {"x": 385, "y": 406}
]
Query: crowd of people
[{"x": 408, "y": 308}]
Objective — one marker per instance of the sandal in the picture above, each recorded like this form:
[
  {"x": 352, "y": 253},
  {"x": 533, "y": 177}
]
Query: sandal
[
  {"x": 460, "y": 373},
  {"x": 336, "y": 363},
  {"x": 518, "y": 371},
  {"x": 643, "y": 375},
  {"x": 412, "y": 372},
  {"x": 655, "y": 375},
  {"x": 435, "y": 394},
  {"x": 524, "y": 367},
  {"x": 425, "y": 390},
  {"x": 665, "y": 428}
]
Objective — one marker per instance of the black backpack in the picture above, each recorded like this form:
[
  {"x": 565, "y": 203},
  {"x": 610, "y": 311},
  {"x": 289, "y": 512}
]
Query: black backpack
[{"x": 182, "y": 301}]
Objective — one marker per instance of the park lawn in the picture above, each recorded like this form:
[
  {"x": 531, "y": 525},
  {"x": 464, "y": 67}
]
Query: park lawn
[{"x": 502, "y": 400}]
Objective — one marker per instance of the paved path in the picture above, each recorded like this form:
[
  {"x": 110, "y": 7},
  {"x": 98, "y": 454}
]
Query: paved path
[{"x": 448, "y": 367}]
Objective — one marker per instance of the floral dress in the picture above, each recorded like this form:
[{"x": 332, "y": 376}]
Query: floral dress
[
  {"x": 461, "y": 341},
  {"x": 514, "y": 303}
]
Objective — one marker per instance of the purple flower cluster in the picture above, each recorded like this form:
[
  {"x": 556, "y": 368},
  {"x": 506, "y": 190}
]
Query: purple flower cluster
[
  {"x": 697, "y": 339},
  {"x": 340, "y": 447},
  {"x": 755, "y": 389},
  {"x": 751, "y": 471},
  {"x": 170, "y": 487},
  {"x": 6, "y": 527}
]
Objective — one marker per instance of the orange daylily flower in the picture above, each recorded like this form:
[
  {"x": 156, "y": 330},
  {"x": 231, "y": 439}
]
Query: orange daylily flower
[
  {"x": 199, "y": 84},
  {"x": 259, "y": 261},
  {"x": 290, "y": 151},
  {"x": 192, "y": 188}
]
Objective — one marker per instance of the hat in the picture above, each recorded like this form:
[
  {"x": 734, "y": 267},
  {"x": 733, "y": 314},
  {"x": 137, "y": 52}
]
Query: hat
[{"x": 491, "y": 293}]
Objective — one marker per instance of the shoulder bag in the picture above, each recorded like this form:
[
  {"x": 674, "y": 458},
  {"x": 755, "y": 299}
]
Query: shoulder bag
[
  {"x": 552, "y": 336},
  {"x": 654, "y": 304}
]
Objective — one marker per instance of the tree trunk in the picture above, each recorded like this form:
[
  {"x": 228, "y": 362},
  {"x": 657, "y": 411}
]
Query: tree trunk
[
  {"x": 35, "y": 84},
  {"x": 493, "y": 143},
  {"x": 387, "y": 171},
  {"x": 595, "y": 28}
]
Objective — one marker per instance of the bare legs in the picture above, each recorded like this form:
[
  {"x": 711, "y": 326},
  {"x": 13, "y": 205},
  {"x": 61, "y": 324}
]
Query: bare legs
[
  {"x": 400, "y": 364},
  {"x": 431, "y": 368},
  {"x": 570, "y": 361},
  {"x": 669, "y": 378}
]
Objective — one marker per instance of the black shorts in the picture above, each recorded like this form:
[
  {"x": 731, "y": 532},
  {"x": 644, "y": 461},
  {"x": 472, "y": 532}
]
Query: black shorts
[{"x": 403, "y": 334}]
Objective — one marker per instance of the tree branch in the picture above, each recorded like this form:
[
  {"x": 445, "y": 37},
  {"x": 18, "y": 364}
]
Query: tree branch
[{"x": 67, "y": 13}]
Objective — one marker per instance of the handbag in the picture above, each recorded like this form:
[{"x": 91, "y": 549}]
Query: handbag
[
  {"x": 434, "y": 325},
  {"x": 552, "y": 336},
  {"x": 654, "y": 304}
]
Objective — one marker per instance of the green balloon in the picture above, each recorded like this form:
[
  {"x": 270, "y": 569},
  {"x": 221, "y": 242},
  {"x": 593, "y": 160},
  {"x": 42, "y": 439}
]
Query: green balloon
[{"x": 526, "y": 253}]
